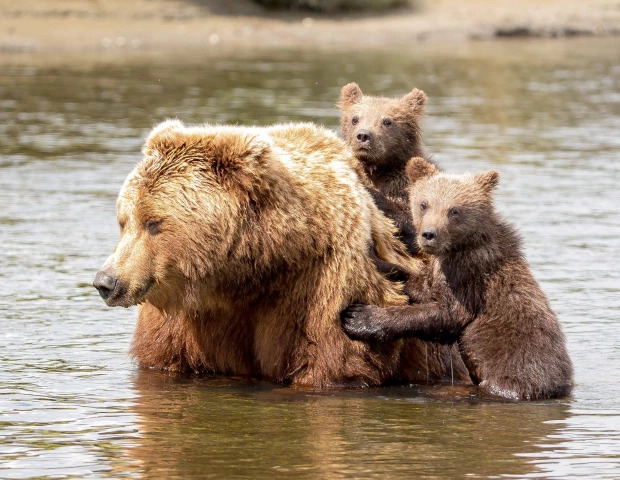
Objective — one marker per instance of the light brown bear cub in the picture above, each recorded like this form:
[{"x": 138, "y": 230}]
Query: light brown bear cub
[
  {"x": 479, "y": 291},
  {"x": 384, "y": 133}
]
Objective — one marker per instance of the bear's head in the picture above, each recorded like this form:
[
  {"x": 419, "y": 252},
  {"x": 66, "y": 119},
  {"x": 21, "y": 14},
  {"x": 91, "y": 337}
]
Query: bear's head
[
  {"x": 180, "y": 213},
  {"x": 450, "y": 212},
  {"x": 382, "y": 132}
]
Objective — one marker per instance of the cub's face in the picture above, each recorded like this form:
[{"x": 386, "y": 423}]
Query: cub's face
[
  {"x": 374, "y": 129},
  {"x": 380, "y": 130},
  {"x": 450, "y": 212}
]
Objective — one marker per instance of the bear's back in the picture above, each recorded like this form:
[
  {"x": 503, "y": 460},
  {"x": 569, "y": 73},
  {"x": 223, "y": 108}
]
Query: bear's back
[
  {"x": 327, "y": 178},
  {"x": 314, "y": 151}
]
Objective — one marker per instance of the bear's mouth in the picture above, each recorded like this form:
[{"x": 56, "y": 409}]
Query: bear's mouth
[
  {"x": 427, "y": 248},
  {"x": 123, "y": 298},
  {"x": 144, "y": 290}
]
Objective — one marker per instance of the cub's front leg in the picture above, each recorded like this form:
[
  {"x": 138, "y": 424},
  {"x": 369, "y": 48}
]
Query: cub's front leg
[
  {"x": 428, "y": 321},
  {"x": 368, "y": 323}
]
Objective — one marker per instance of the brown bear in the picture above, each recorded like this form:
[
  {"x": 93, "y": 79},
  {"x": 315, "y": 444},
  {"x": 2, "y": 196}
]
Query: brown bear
[
  {"x": 242, "y": 245},
  {"x": 479, "y": 291},
  {"x": 383, "y": 134}
]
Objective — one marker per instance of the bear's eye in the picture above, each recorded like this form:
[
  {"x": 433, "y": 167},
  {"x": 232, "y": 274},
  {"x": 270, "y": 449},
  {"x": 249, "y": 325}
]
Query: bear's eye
[
  {"x": 454, "y": 212},
  {"x": 423, "y": 206},
  {"x": 153, "y": 226},
  {"x": 355, "y": 120},
  {"x": 121, "y": 225},
  {"x": 387, "y": 122}
]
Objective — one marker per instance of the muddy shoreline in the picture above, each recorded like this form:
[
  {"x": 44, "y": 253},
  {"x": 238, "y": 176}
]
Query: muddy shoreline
[{"x": 160, "y": 25}]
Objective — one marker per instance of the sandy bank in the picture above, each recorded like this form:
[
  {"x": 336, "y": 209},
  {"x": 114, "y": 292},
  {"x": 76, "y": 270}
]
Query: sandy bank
[{"x": 74, "y": 25}]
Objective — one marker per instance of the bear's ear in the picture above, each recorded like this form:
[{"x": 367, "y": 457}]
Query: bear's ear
[
  {"x": 487, "y": 181},
  {"x": 415, "y": 100},
  {"x": 418, "y": 168},
  {"x": 238, "y": 158},
  {"x": 165, "y": 136},
  {"x": 350, "y": 94}
]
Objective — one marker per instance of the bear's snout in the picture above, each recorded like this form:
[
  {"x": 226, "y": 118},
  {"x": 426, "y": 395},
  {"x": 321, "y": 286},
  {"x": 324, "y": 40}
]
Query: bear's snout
[
  {"x": 430, "y": 234},
  {"x": 363, "y": 137},
  {"x": 106, "y": 284},
  {"x": 429, "y": 238}
]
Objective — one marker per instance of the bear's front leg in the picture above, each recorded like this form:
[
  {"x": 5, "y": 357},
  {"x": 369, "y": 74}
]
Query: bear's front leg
[
  {"x": 368, "y": 323},
  {"x": 375, "y": 324}
]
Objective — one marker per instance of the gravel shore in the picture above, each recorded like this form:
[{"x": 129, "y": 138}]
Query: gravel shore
[{"x": 82, "y": 26}]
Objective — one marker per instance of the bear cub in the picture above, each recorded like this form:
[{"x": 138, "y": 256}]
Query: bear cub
[
  {"x": 478, "y": 289},
  {"x": 383, "y": 134}
]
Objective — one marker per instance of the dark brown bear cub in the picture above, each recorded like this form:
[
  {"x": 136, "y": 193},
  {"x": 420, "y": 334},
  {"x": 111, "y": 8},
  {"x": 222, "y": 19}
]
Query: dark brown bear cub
[
  {"x": 384, "y": 133},
  {"x": 479, "y": 291}
]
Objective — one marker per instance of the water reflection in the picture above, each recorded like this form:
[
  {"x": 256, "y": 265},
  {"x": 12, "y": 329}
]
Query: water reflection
[{"x": 232, "y": 427}]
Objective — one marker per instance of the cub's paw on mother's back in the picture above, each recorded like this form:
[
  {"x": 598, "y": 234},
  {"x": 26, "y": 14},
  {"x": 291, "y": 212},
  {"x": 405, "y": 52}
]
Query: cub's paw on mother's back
[{"x": 362, "y": 322}]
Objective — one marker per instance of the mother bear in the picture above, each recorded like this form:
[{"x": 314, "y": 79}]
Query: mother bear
[{"x": 242, "y": 245}]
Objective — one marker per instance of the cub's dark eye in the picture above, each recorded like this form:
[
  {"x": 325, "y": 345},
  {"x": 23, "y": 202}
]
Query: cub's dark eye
[
  {"x": 153, "y": 226},
  {"x": 355, "y": 120},
  {"x": 454, "y": 212},
  {"x": 423, "y": 206},
  {"x": 387, "y": 122},
  {"x": 121, "y": 225}
]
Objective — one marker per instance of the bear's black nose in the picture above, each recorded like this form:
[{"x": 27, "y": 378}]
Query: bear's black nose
[
  {"x": 106, "y": 284},
  {"x": 363, "y": 137},
  {"x": 430, "y": 234}
]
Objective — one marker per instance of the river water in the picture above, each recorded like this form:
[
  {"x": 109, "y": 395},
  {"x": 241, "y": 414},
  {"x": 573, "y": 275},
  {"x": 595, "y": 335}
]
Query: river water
[{"x": 546, "y": 114}]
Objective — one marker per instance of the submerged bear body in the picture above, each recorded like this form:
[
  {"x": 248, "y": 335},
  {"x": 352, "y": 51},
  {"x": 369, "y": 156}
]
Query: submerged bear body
[{"x": 242, "y": 246}]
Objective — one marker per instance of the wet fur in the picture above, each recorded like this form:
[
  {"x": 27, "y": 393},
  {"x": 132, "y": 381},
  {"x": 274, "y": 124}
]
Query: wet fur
[
  {"x": 264, "y": 239},
  {"x": 479, "y": 292},
  {"x": 384, "y": 163}
]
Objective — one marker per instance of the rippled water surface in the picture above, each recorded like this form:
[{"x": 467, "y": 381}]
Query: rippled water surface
[{"x": 545, "y": 114}]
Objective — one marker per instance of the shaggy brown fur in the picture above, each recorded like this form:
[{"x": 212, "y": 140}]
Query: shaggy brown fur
[
  {"x": 480, "y": 291},
  {"x": 384, "y": 133},
  {"x": 242, "y": 246}
]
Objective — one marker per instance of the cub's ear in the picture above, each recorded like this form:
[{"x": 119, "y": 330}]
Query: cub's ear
[
  {"x": 165, "y": 136},
  {"x": 418, "y": 168},
  {"x": 415, "y": 100},
  {"x": 487, "y": 181},
  {"x": 350, "y": 94}
]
